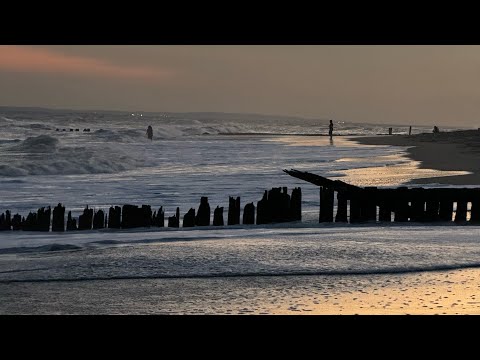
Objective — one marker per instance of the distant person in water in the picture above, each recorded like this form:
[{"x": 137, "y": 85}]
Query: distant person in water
[
  {"x": 150, "y": 132},
  {"x": 436, "y": 130},
  {"x": 330, "y": 129}
]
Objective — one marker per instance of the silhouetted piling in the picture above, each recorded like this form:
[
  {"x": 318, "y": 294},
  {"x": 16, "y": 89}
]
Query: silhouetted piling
[
  {"x": 133, "y": 216},
  {"x": 296, "y": 205},
  {"x": 71, "y": 223},
  {"x": 43, "y": 219},
  {"x": 174, "y": 221},
  {"x": 218, "y": 216},
  {"x": 233, "y": 210},
  {"x": 446, "y": 210},
  {"x": 282, "y": 211},
  {"x": 263, "y": 210},
  {"x": 475, "y": 211},
  {"x": 17, "y": 222},
  {"x": 146, "y": 216},
  {"x": 385, "y": 208},
  {"x": 355, "y": 209},
  {"x": 5, "y": 221},
  {"x": 114, "y": 217},
  {"x": 401, "y": 206},
  {"x": 431, "y": 209},
  {"x": 369, "y": 207},
  {"x": 203, "y": 214},
  {"x": 189, "y": 218},
  {"x": 30, "y": 223},
  {"x": 326, "y": 205},
  {"x": 85, "y": 220},
  {"x": 58, "y": 219},
  {"x": 342, "y": 203},
  {"x": 159, "y": 218},
  {"x": 249, "y": 214},
  {"x": 461, "y": 212},
  {"x": 417, "y": 208},
  {"x": 99, "y": 219}
]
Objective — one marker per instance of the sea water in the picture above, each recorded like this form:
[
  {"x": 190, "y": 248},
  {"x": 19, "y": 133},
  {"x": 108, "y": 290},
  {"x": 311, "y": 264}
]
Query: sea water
[{"x": 194, "y": 155}]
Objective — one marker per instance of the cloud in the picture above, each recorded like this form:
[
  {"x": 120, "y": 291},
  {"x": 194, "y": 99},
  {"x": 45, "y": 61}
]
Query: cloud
[{"x": 38, "y": 60}]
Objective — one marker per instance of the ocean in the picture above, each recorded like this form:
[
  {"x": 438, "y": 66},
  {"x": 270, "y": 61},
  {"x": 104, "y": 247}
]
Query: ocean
[{"x": 230, "y": 269}]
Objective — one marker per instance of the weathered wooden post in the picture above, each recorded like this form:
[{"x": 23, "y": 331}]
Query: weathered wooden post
[
  {"x": 71, "y": 223},
  {"x": 296, "y": 205},
  {"x": 274, "y": 204},
  {"x": 17, "y": 222},
  {"x": 402, "y": 209},
  {"x": 5, "y": 222},
  {"x": 146, "y": 216},
  {"x": 85, "y": 220},
  {"x": 189, "y": 218},
  {"x": 58, "y": 220},
  {"x": 284, "y": 205},
  {"x": 432, "y": 205},
  {"x": 263, "y": 210},
  {"x": 417, "y": 210},
  {"x": 355, "y": 207},
  {"x": 114, "y": 217},
  {"x": 446, "y": 208},
  {"x": 8, "y": 219},
  {"x": 130, "y": 218},
  {"x": 475, "y": 210},
  {"x": 249, "y": 214},
  {"x": 326, "y": 204},
  {"x": 98, "y": 219},
  {"x": 369, "y": 207},
  {"x": 30, "y": 223},
  {"x": 43, "y": 219},
  {"x": 218, "y": 216},
  {"x": 159, "y": 218},
  {"x": 203, "y": 214},
  {"x": 174, "y": 221},
  {"x": 233, "y": 210},
  {"x": 385, "y": 206},
  {"x": 342, "y": 204},
  {"x": 461, "y": 213}
]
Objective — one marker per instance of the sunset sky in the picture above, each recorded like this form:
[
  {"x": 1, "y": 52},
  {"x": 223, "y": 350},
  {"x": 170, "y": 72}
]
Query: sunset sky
[{"x": 383, "y": 84}]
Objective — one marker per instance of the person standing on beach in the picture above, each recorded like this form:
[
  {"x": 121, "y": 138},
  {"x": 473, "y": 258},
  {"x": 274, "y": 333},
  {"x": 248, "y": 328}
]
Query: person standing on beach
[
  {"x": 150, "y": 132},
  {"x": 330, "y": 129}
]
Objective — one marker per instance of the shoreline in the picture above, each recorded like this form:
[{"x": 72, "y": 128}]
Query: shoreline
[
  {"x": 450, "y": 292},
  {"x": 447, "y": 151}
]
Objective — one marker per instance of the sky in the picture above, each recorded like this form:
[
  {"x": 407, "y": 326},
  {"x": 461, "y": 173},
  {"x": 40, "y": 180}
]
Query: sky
[{"x": 411, "y": 85}]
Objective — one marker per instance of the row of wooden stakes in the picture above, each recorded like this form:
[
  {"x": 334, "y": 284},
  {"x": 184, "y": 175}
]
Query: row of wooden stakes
[{"x": 275, "y": 206}]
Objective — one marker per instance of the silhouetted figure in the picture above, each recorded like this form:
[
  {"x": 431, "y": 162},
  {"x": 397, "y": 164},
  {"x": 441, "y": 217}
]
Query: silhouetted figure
[
  {"x": 150, "y": 132},
  {"x": 436, "y": 130},
  {"x": 330, "y": 129}
]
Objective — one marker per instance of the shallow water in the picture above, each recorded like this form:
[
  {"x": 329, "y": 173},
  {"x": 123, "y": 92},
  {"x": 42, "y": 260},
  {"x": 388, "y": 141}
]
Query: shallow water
[{"x": 239, "y": 269}]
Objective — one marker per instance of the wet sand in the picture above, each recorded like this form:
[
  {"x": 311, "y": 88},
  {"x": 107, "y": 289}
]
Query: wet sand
[
  {"x": 437, "y": 292},
  {"x": 428, "y": 293},
  {"x": 445, "y": 151}
]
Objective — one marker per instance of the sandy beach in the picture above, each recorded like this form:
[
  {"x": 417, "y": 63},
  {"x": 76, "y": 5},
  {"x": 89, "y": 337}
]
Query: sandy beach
[
  {"x": 446, "y": 151},
  {"x": 454, "y": 292}
]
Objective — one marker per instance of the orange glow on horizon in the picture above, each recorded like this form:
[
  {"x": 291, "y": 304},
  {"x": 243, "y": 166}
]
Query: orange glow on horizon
[{"x": 32, "y": 59}]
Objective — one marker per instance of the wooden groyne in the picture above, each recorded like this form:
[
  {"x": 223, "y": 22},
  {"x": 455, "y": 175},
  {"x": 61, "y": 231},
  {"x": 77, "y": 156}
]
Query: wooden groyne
[
  {"x": 275, "y": 206},
  {"x": 369, "y": 204},
  {"x": 354, "y": 205}
]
